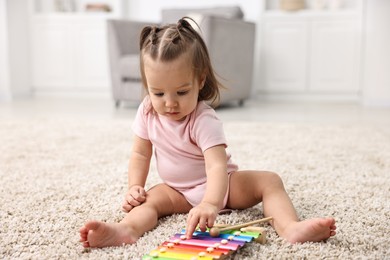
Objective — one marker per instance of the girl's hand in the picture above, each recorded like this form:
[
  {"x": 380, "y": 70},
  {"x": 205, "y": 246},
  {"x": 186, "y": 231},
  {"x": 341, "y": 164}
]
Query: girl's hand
[
  {"x": 135, "y": 196},
  {"x": 204, "y": 214}
]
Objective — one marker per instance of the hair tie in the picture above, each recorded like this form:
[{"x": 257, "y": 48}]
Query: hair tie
[
  {"x": 180, "y": 24},
  {"x": 154, "y": 35}
]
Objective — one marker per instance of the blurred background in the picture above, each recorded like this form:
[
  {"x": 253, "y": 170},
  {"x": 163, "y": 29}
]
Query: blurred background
[{"x": 310, "y": 57}]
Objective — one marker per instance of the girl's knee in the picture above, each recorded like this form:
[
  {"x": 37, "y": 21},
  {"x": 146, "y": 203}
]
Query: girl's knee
[
  {"x": 274, "y": 179},
  {"x": 166, "y": 201}
]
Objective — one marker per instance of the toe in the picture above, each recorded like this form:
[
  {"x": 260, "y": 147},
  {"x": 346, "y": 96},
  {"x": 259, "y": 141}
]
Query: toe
[{"x": 86, "y": 244}]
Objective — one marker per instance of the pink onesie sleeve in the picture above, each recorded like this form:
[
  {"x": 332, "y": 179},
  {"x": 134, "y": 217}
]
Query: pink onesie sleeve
[{"x": 208, "y": 129}]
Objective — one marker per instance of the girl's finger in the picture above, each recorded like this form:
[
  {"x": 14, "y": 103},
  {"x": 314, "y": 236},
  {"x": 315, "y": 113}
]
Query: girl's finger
[
  {"x": 126, "y": 208},
  {"x": 211, "y": 221},
  {"x": 134, "y": 202},
  {"x": 138, "y": 195},
  {"x": 202, "y": 224},
  {"x": 191, "y": 225}
]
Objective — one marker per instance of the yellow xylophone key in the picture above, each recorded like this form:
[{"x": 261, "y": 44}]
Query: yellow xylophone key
[{"x": 156, "y": 254}]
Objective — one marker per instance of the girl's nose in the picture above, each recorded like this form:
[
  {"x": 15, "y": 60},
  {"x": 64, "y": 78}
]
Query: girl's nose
[{"x": 170, "y": 102}]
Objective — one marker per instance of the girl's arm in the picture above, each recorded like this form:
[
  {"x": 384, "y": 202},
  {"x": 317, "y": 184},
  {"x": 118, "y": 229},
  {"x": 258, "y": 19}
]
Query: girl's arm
[
  {"x": 137, "y": 173},
  {"x": 139, "y": 162},
  {"x": 217, "y": 182},
  {"x": 217, "y": 178}
]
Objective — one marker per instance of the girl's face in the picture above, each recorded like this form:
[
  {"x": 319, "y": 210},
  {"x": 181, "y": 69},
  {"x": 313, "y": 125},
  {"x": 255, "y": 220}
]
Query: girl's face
[{"x": 172, "y": 87}]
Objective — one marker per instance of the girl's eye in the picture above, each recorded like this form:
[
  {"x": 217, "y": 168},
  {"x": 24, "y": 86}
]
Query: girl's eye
[
  {"x": 182, "y": 93},
  {"x": 159, "y": 94}
]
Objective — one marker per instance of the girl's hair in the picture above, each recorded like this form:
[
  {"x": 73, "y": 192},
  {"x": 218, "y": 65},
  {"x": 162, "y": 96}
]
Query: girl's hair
[{"x": 169, "y": 42}]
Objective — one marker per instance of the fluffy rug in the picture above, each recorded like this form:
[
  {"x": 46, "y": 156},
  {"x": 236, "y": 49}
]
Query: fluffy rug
[{"x": 56, "y": 174}]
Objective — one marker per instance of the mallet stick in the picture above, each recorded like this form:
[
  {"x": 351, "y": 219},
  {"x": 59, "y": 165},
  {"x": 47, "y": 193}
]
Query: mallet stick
[{"x": 214, "y": 232}]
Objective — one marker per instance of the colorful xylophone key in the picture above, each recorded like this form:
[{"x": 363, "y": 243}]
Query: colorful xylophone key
[
  {"x": 234, "y": 235},
  {"x": 202, "y": 246}
]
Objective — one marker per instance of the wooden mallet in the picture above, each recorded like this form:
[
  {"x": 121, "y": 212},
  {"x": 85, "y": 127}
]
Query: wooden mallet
[{"x": 215, "y": 231}]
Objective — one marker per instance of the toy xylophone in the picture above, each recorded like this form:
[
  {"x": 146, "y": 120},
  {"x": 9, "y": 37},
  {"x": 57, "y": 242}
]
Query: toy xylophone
[{"x": 203, "y": 246}]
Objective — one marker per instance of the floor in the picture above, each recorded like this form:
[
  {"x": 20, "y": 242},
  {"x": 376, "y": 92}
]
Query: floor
[{"x": 253, "y": 110}]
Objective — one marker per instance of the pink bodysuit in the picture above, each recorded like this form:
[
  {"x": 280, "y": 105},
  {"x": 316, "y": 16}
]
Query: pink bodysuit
[{"x": 179, "y": 147}]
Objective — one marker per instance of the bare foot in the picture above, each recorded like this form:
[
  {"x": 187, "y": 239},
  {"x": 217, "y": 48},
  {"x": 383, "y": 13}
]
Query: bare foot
[
  {"x": 314, "y": 230},
  {"x": 101, "y": 234}
]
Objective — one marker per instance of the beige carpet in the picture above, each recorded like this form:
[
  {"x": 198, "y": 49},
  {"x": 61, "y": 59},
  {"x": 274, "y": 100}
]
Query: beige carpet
[{"x": 54, "y": 175}]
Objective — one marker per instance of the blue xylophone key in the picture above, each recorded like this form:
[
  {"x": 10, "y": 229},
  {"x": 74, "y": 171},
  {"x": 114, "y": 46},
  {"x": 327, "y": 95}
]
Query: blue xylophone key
[{"x": 241, "y": 237}]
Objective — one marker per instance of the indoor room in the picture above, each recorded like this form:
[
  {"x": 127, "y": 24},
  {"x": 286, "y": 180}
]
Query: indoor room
[{"x": 300, "y": 88}]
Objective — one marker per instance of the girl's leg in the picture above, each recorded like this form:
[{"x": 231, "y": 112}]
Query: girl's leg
[
  {"x": 248, "y": 188},
  {"x": 161, "y": 201}
]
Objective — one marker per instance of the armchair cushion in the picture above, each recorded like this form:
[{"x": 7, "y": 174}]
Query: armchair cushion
[
  {"x": 228, "y": 12},
  {"x": 129, "y": 67}
]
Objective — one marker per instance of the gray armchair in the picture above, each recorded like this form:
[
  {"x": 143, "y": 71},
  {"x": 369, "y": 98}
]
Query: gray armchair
[
  {"x": 123, "y": 52},
  {"x": 230, "y": 41}
]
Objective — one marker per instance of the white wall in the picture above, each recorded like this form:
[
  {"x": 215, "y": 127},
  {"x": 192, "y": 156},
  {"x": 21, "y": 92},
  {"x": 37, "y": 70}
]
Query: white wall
[
  {"x": 5, "y": 93},
  {"x": 376, "y": 53},
  {"x": 150, "y": 10},
  {"x": 19, "y": 47},
  {"x": 15, "y": 68}
]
